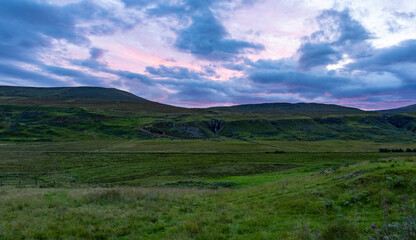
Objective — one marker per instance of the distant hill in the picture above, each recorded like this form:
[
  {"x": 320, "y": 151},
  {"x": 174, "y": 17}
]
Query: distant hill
[
  {"x": 69, "y": 93},
  {"x": 89, "y": 113},
  {"x": 292, "y": 108},
  {"x": 407, "y": 109},
  {"x": 98, "y": 98}
]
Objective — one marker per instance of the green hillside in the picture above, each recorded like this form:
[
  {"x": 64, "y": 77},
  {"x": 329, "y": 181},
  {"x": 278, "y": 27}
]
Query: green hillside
[
  {"x": 69, "y": 93},
  {"x": 291, "y": 108},
  {"x": 104, "y": 100},
  {"x": 407, "y": 109},
  {"x": 53, "y": 123},
  {"x": 88, "y": 113},
  {"x": 350, "y": 127}
]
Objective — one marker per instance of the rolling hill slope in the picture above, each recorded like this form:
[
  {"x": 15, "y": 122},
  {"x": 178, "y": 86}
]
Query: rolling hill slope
[
  {"x": 61, "y": 114},
  {"x": 94, "y": 98},
  {"x": 291, "y": 108},
  {"x": 407, "y": 109},
  {"x": 69, "y": 93}
]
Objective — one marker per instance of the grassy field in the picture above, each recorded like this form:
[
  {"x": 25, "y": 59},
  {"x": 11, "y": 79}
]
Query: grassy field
[{"x": 206, "y": 189}]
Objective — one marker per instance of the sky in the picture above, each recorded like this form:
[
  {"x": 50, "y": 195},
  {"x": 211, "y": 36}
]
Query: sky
[{"x": 202, "y": 53}]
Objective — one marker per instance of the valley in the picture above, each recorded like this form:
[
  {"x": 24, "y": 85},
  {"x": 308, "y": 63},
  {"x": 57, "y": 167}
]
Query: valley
[{"x": 76, "y": 166}]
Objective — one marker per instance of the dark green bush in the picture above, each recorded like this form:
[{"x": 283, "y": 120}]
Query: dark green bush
[{"x": 340, "y": 230}]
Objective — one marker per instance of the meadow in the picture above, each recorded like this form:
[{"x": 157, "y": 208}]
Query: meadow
[
  {"x": 206, "y": 189},
  {"x": 77, "y": 166}
]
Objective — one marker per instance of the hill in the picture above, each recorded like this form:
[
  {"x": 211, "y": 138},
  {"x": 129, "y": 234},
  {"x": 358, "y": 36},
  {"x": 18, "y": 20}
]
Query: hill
[
  {"x": 291, "y": 108},
  {"x": 110, "y": 100},
  {"x": 86, "y": 113},
  {"x": 407, "y": 109},
  {"x": 69, "y": 93}
]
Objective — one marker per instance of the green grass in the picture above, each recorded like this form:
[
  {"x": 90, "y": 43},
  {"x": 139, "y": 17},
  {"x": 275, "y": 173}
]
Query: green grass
[
  {"x": 117, "y": 169},
  {"x": 161, "y": 168},
  {"x": 291, "y": 205}
]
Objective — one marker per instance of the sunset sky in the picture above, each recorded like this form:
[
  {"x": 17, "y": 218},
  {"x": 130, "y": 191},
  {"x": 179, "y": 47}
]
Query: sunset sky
[{"x": 200, "y": 53}]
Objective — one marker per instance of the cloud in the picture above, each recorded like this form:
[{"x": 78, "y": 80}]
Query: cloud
[
  {"x": 78, "y": 75},
  {"x": 31, "y": 27},
  {"x": 49, "y": 44},
  {"x": 8, "y": 71},
  {"x": 181, "y": 73},
  {"x": 93, "y": 62},
  {"x": 400, "y": 53},
  {"x": 96, "y": 53},
  {"x": 234, "y": 66},
  {"x": 34, "y": 23},
  {"x": 317, "y": 54},
  {"x": 342, "y": 27},
  {"x": 339, "y": 34},
  {"x": 205, "y": 37},
  {"x": 137, "y": 3},
  {"x": 405, "y": 15},
  {"x": 132, "y": 76},
  {"x": 29, "y": 30},
  {"x": 329, "y": 85},
  {"x": 373, "y": 72}
]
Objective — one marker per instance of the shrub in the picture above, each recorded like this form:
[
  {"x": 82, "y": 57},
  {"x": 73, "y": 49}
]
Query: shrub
[
  {"x": 304, "y": 233},
  {"x": 328, "y": 204},
  {"x": 340, "y": 230},
  {"x": 102, "y": 197},
  {"x": 404, "y": 229},
  {"x": 383, "y": 150},
  {"x": 394, "y": 181},
  {"x": 361, "y": 197}
]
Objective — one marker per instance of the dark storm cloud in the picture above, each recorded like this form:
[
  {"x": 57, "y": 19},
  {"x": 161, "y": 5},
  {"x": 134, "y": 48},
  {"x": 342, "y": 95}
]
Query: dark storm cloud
[{"x": 205, "y": 37}]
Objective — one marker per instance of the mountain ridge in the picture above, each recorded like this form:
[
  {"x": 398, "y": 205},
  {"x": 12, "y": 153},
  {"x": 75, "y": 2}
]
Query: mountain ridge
[
  {"x": 27, "y": 95},
  {"x": 282, "y": 107},
  {"x": 69, "y": 93},
  {"x": 405, "y": 109}
]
